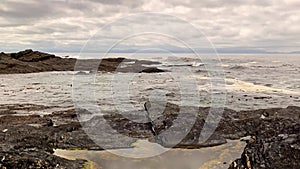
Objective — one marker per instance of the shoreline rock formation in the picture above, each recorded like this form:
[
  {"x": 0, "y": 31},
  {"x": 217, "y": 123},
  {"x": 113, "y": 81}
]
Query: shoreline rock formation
[
  {"x": 28, "y": 141},
  {"x": 29, "y": 61}
]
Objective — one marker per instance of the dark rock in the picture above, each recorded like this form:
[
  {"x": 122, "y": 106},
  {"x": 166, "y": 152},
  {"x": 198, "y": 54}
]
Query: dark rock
[
  {"x": 28, "y": 141},
  {"x": 30, "y": 61},
  {"x": 36, "y": 159},
  {"x": 265, "y": 114},
  {"x": 262, "y": 97},
  {"x": 171, "y": 94},
  {"x": 268, "y": 85},
  {"x": 276, "y": 143},
  {"x": 21, "y": 53},
  {"x": 49, "y": 122},
  {"x": 238, "y": 67},
  {"x": 151, "y": 70},
  {"x": 270, "y": 153}
]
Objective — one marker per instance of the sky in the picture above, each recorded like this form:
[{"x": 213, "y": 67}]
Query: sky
[{"x": 229, "y": 26}]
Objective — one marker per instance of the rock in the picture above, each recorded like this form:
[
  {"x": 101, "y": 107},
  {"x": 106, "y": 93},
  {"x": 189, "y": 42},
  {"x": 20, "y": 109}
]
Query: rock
[
  {"x": 238, "y": 67},
  {"x": 151, "y": 70},
  {"x": 171, "y": 94},
  {"x": 21, "y": 53},
  {"x": 276, "y": 143},
  {"x": 35, "y": 159},
  {"x": 49, "y": 122},
  {"x": 30, "y": 61},
  {"x": 262, "y": 97},
  {"x": 269, "y": 153}
]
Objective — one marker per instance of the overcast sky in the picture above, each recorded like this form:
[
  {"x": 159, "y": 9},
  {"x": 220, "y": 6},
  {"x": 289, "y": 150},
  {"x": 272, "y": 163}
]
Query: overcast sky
[{"x": 231, "y": 25}]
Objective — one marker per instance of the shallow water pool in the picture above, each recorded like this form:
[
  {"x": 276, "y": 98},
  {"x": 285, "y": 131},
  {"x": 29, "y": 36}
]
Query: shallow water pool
[{"x": 217, "y": 157}]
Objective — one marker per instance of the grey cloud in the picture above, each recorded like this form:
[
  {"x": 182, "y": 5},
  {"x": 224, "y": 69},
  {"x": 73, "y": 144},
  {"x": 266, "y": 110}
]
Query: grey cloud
[
  {"x": 23, "y": 10},
  {"x": 234, "y": 24}
]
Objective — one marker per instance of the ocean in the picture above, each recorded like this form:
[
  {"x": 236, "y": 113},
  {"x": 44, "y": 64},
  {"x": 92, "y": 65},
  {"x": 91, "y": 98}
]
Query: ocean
[{"x": 249, "y": 81}]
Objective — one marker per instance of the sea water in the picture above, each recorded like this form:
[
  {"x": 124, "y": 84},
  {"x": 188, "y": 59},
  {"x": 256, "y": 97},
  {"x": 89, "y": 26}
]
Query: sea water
[{"x": 249, "y": 82}]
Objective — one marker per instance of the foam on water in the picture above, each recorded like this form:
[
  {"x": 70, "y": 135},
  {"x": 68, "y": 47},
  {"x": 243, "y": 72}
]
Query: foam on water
[{"x": 276, "y": 78}]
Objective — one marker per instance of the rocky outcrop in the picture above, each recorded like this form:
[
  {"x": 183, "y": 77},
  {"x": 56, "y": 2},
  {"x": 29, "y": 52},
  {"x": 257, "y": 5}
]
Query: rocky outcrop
[
  {"x": 30, "y": 61},
  {"x": 28, "y": 141},
  {"x": 151, "y": 70},
  {"x": 282, "y": 151},
  {"x": 275, "y": 141}
]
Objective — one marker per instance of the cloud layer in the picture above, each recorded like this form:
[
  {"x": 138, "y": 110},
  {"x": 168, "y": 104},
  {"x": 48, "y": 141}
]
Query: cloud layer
[{"x": 232, "y": 25}]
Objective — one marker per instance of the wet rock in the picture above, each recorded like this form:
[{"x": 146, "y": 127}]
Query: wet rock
[
  {"x": 268, "y": 85},
  {"x": 265, "y": 114},
  {"x": 171, "y": 94},
  {"x": 262, "y": 97},
  {"x": 238, "y": 67},
  {"x": 23, "y": 145},
  {"x": 270, "y": 153},
  {"x": 30, "y": 61},
  {"x": 36, "y": 159},
  {"x": 151, "y": 70},
  {"x": 188, "y": 128},
  {"x": 49, "y": 122},
  {"x": 276, "y": 143}
]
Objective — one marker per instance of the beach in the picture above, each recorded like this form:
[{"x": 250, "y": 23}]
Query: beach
[{"x": 44, "y": 108}]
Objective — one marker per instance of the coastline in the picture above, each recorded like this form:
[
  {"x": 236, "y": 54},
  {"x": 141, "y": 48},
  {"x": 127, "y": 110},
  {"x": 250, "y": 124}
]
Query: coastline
[
  {"x": 35, "y": 137},
  {"x": 28, "y": 139}
]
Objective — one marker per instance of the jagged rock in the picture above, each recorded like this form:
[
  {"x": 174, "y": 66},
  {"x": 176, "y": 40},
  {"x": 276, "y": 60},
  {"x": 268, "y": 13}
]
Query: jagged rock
[
  {"x": 30, "y": 61},
  {"x": 275, "y": 143},
  {"x": 21, "y": 53}
]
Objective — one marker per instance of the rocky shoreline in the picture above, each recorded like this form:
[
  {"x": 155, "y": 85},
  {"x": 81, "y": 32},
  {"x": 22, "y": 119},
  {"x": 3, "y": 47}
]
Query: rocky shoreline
[
  {"x": 29, "y": 61},
  {"x": 275, "y": 142},
  {"x": 28, "y": 141}
]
